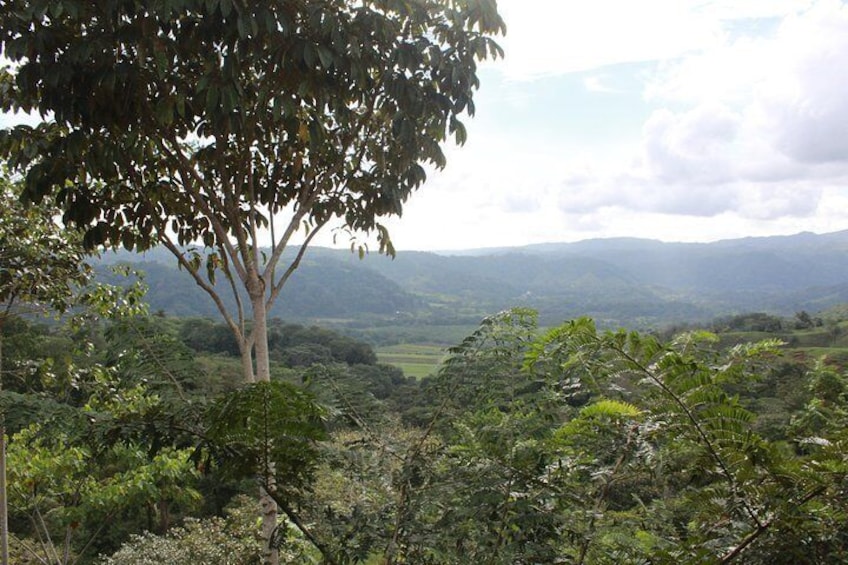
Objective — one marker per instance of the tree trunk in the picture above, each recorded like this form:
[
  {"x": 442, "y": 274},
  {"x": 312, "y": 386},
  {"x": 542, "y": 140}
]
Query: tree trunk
[
  {"x": 4, "y": 503},
  {"x": 246, "y": 363},
  {"x": 260, "y": 341},
  {"x": 164, "y": 515},
  {"x": 270, "y": 555}
]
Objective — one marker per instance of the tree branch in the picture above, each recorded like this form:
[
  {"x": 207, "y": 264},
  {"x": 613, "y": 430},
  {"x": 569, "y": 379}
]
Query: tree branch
[
  {"x": 761, "y": 528},
  {"x": 277, "y": 286},
  {"x": 201, "y": 282},
  {"x": 191, "y": 180},
  {"x": 326, "y": 553},
  {"x": 698, "y": 428}
]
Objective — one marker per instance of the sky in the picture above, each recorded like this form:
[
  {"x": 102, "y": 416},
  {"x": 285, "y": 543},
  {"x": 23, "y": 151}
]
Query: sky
[{"x": 676, "y": 120}]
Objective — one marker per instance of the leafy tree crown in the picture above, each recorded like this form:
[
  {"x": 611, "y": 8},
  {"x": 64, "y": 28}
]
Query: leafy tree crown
[{"x": 160, "y": 115}]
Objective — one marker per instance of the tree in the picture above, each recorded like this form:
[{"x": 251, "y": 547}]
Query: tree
[
  {"x": 71, "y": 491},
  {"x": 39, "y": 265},
  {"x": 182, "y": 122}
]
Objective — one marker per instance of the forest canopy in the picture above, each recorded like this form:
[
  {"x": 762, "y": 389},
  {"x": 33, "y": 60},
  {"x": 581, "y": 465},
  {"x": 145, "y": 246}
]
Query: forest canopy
[{"x": 572, "y": 444}]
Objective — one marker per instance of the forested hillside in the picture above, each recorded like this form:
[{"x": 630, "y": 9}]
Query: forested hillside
[
  {"x": 619, "y": 282},
  {"x": 321, "y": 289},
  {"x": 134, "y": 436}
]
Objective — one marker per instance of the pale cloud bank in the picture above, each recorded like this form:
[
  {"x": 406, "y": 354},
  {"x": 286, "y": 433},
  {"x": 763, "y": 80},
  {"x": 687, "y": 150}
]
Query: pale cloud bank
[
  {"x": 745, "y": 130},
  {"x": 554, "y": 37},
  {"x": 769, "y": 116}
]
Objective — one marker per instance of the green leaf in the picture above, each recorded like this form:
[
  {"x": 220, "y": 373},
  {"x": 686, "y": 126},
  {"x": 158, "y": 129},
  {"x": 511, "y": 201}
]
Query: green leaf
[{"x": 326, "y": 56}]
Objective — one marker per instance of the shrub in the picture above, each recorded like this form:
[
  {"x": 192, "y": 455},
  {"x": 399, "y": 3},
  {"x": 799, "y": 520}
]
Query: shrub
[{"x": 231, "y": 540}]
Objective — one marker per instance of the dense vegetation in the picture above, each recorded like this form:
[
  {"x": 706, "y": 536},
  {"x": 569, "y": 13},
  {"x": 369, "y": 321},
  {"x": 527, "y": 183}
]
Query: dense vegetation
[
  {"x": 226, "y": 126},
  {"x": 130, "y": 444},
  {"x": 200, "y": 125}
]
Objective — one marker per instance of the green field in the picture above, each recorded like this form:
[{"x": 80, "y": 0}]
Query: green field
[
  {"x": 415, "y": 360},
  {"x": 424, "y": 334}
]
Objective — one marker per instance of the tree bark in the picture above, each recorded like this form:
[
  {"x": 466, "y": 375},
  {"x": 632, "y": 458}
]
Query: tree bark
[
  {"x": 4, "y": 503},
  {"x": 270, "y": 555},
  {"x": 260, "y": 338},
  {"x": 247, "y": 363}
]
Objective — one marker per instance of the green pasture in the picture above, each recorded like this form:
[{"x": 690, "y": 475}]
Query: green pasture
[
  {"x": 415, "y": 360},
  {"x": 425, "y": 334},
  {"x": 837, "y": 356}
]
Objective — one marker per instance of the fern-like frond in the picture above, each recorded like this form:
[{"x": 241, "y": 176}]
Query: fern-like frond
[
  {"x": 267, "y": 430},
  {"x": 610, "y": 409}
]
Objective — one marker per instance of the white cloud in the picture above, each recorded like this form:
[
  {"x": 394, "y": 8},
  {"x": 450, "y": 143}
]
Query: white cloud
[
  {"x": 551, "y": 36},
  {"x": 597, "y": 83},
  {"x": 547, "y": 37},
  {"x": 788, "y": 88},
  {"x": 744, "y": 126},
  {"x": 758, "y": 124},
  {"x": 798, "y": 200},
  {"x": 810, "y": 115},
  {"x": 752, "y": 9},
  {"x": 691, "y": 147},
  {"x": 744, "y": 131}
]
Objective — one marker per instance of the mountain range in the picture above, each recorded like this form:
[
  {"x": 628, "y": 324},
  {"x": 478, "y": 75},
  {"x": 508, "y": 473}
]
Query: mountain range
[{"x": 622, "y": 281}]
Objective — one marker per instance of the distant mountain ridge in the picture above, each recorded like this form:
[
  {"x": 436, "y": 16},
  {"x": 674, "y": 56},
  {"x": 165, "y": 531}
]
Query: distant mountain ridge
[{"x": 621, "y": 281}]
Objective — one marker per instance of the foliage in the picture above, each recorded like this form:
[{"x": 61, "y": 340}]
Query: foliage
[
  {"x": 310, "y": 97},
  {"x": 357, "y": 504},
  {"x": 486, "y": 366},
  {"x": 194, "y": 122},
  {"x": 268, "y": 430},
  {"x": 291, "y": 345},
  {"x": 69, "y": 493},
  {"x": 751, "y": 322},
  {"x": 570, "y": 444},
  {"x": 95, "y": 457},
  {"x": 204, "y": 335},
  {"x": 591, "y": 447},
  {"x": 41, "y": 266},
  {"x": 566, "y": 445},
  {"x": 202, "y": 122},
  {"x": 39, "y": 261},
  {"x": 231, "y": 540},
  {"x": 267, "y": 426}
]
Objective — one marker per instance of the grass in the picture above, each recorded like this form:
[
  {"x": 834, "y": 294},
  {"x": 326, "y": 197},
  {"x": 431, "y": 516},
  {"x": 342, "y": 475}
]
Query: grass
[
  {"x": 837, "y": 356},
  {"x": 415, "y": 360},
  {"x": 425, "y": 334}
]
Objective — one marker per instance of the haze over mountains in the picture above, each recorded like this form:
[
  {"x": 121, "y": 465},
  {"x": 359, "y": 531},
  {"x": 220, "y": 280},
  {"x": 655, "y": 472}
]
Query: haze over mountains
[{"x": 619, "y": 282}]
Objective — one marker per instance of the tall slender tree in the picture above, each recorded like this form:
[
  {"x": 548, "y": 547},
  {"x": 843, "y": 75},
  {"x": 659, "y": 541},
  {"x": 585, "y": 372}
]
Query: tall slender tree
[
  {"x": 40, "y": 266},
  {"x": 212, "y": 122}
]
